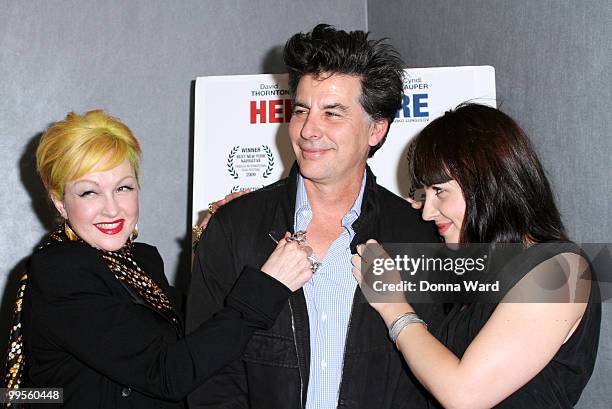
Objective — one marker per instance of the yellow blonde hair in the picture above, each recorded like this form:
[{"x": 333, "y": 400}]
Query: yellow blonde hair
[{"x": 71, "y": 148}]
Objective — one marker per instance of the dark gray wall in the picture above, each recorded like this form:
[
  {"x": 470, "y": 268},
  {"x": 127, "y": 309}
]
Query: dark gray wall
[
  {"x": 136, "y": 59},
  {"x": 552, "y": 62}
]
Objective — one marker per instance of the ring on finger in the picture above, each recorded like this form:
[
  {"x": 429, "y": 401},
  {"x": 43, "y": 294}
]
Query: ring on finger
[
  {"x": 299, "y": 236},
  {"x": 211, "y": 208},
  {"x": 314, "y": 265}
]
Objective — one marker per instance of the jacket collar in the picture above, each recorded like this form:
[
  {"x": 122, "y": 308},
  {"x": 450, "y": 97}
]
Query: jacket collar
[
  {"x": 364, "y": 227},
  {"x": 285, "y": 209}
]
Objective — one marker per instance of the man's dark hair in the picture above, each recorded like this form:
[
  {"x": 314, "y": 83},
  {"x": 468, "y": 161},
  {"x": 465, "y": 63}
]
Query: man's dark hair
[
  {"x": 507, "y": 195},
  {"x": 326, "y": 50}
]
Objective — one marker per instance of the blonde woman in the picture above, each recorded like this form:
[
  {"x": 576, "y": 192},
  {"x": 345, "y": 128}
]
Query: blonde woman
[{"x": 99, "y": 318}]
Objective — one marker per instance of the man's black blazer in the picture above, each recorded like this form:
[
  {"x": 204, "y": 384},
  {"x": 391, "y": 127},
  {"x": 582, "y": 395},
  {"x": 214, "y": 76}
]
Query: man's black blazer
[{"x": 273, "y": 372}]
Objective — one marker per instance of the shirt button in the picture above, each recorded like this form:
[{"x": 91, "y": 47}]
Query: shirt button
[
  {"x": 323, "y": 364},
  {"x": 323, "y": 317},
  {"x": 125, "y": 392}
]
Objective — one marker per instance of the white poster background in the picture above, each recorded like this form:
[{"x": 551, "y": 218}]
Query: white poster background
[{"x": 241, "y": 138}]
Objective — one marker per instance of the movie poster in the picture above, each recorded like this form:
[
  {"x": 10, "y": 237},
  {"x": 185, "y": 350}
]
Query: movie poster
[{"x": 241, "y": 138}]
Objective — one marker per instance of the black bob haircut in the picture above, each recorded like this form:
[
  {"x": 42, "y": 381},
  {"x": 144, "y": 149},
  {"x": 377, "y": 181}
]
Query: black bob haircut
[
  {"x": 326, "y": 50},
  {"x": 508, "y": 197}
]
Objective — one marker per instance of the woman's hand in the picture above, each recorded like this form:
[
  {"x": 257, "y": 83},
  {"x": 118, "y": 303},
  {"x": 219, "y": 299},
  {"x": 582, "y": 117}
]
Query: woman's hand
[
  {"x": 388, "y": 303},
  {"x": 416, "y": 204},
  {"x": 198, "y": 229},
  {"x": 289, "y": 263},
  {"x": 214, "y": 206}
]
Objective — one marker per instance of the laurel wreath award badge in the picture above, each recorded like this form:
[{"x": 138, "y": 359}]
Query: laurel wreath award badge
[{"x": 250, "y": 161}]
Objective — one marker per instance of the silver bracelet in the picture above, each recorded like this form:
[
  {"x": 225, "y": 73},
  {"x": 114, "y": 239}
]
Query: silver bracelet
[{"x": 401, "y": 322}]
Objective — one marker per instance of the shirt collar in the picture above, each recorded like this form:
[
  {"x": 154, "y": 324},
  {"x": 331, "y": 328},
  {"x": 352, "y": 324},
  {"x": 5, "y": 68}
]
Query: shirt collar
[{"x": 303, "y": 212}]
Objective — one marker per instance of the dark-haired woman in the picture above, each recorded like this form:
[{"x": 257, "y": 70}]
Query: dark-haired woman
[{"x": 485, "y": 184}]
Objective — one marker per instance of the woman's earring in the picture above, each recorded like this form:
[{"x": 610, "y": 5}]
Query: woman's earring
[
  {"x": 69, "y": 232},
  {"x": 134, "y": 234}
]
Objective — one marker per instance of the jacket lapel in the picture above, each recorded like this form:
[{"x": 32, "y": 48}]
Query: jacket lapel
[{"x": 283, "y": 222}]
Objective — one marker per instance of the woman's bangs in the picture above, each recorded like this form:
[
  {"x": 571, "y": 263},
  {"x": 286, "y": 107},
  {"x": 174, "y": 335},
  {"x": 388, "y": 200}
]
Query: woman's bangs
[{"x": 428, "y": 167}]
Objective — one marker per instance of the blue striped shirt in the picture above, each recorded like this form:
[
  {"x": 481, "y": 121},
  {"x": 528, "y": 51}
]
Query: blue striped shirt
[{"x": 329, "y": 298}]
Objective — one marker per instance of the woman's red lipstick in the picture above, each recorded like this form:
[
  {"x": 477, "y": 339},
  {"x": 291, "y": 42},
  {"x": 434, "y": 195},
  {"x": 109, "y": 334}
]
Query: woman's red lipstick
[
  {"x": 111, "y": 228},
  {"x": 442, "y": 228}
]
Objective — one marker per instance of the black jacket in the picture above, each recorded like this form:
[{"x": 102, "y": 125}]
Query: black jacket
[
  {"x": 273, "y": 372},
  {"x": 87, "y": 333}
]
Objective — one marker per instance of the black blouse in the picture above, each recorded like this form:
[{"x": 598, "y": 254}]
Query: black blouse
[{"x": 561, "y": 382}]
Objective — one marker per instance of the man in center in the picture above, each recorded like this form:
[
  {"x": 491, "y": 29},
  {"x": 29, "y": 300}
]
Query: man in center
[{"x": 328, "y": 344}]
